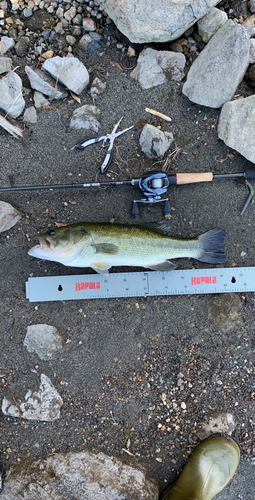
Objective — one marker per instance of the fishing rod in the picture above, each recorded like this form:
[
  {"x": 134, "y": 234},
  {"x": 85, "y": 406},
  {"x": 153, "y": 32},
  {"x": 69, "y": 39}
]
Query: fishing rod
[{"x": 153, "y": 185}]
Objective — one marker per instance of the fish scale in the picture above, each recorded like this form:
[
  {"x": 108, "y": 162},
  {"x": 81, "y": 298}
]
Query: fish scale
[{"x": 141, "y": 284}]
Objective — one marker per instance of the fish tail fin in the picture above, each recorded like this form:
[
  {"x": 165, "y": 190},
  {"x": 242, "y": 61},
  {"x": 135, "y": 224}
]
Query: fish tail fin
[{"x": 212, "y": 246}]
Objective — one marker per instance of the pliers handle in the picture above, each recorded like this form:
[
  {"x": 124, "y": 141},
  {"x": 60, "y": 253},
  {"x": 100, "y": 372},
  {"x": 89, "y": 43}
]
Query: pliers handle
[{"x": 97, "y": 138}]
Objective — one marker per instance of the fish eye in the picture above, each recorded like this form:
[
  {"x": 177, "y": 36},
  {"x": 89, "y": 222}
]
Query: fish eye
[{"x": 51, "y": 233}]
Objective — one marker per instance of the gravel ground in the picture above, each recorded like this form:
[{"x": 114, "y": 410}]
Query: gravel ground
[{"x": 137, "y": 376}]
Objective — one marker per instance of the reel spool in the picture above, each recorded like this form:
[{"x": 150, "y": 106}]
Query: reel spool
[{"x": 153, "y": 184}]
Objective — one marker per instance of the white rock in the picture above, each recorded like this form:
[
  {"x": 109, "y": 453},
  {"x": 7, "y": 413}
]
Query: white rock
[
  {"x": 222, "y": 424},
  {"x": 5, "y": 64},
  {"x": 6, "y": 44},
  {"x": 86, "y": 117},
  {"x": 9, "y": 216},
  {"x": 30, "y": 115},
  {"x": 216, "y": 73},
  {"x": 40, "y": 100},
  {"x": 45, "y": 340},
  {"x": 11, "y": 99},
  {"x": 69, "y": 71},
  {"x": 154, "y": 143},
  {"x": 237, "y": 126},
  {"x": 41, "y": 82},
  {"x": 84, "y": 476},
  {"x": 89, "y": 24},
  {"x": 156, "y": 67},
  {"x": 42, "y": 405},
  {"x": 97, "y": 87},
  {"x": 155, "y": 20},
  {"x": 210, "y": 23}
]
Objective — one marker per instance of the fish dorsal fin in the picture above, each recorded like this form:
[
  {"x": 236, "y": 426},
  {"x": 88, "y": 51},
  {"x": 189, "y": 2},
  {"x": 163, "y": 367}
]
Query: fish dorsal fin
[{"x": 161, "y": 227}]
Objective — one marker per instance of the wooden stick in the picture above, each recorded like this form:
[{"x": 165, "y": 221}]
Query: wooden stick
[
  {"x": 12, "y": 128},
  {"x": 157, "y": 113}
]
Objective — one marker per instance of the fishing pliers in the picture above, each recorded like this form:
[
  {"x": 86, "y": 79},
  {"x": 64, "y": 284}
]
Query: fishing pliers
[{"x": 108, "y": 137}]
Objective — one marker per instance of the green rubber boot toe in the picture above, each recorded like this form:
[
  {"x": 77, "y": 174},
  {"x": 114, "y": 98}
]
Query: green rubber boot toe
[{"x": 208, "y": 470}]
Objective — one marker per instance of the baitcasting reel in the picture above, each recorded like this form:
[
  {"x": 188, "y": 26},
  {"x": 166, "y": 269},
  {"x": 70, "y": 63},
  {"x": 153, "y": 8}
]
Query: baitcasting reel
[{"x": 153, "y": 184}]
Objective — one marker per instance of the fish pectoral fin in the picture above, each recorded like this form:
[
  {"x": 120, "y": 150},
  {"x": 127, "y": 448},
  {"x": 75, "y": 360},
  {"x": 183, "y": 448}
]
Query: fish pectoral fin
[
  {"x": 101, "y": 267},
  {"x": 108, "y": 248},
  {"x": 163, "y": 266}
]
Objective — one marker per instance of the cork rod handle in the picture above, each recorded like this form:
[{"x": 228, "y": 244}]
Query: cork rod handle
[{"x": 191, "y": 178}]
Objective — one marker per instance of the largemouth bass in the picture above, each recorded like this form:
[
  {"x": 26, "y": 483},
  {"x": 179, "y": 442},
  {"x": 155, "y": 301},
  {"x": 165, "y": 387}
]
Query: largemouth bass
[{"x": 102, "y": 246}]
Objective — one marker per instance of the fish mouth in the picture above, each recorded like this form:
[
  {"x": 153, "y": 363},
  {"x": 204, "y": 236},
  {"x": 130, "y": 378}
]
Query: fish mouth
[{"x": 46, "y": 241}]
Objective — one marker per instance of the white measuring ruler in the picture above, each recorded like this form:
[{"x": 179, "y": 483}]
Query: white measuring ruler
[{"x": 141, "y": 284}]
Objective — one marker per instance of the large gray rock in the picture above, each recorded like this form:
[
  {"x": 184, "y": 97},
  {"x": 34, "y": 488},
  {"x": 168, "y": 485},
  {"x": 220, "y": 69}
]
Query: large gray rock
[
  {"x": 41, "y": 82},
  {"x": 155, "y": 67},
  {"x": 11, "y": 100},
  {"x": 8, "y": 216},
  {"x": 45, "y": 340},
  {"x": 69, "y": 71},
  {"x": 216, "y": 73},
  {"x": 83, "y": 476},
  {"x": 237, "y": 126},
  {"x": 155, "y": 20},
  {"x": 42, "y": 405}
]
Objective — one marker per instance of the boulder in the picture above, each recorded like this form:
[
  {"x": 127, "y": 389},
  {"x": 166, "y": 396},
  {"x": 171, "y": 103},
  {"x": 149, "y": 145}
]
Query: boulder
[
  {"x": 237, "y": 126},
  {"x": 216, "y": 73},
  {"x": 145, "y": 21},
  {"x": 84, "y": 476}
]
